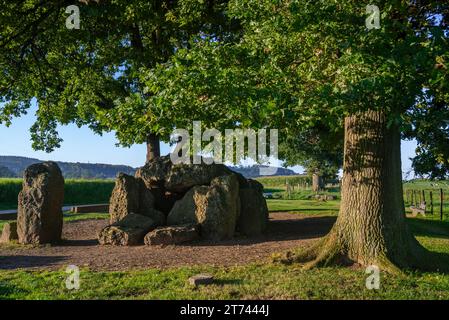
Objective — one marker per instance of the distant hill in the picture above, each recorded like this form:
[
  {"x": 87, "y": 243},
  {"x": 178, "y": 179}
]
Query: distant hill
[
  {"x": 11, "y": 166},
  {"x": 6, "y": 173},
  {"x": 254, "y": 171},
  {"x": 69, "y": 169}
]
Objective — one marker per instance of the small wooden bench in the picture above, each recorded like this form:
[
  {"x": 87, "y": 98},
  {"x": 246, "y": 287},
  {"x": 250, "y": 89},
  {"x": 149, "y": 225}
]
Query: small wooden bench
[
  {"x": 104, "y": 207},
  {"x": 421, "y": 209}
]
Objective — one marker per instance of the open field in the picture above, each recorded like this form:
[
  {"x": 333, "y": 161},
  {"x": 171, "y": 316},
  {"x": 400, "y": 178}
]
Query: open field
[{"x": 77, "y": 191}]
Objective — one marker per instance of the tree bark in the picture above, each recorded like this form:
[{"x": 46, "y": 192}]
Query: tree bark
[
  {"x": 371, "y": 228},
  {"x": 317, "y": 182},
  {"x": 153, "y": 147}
]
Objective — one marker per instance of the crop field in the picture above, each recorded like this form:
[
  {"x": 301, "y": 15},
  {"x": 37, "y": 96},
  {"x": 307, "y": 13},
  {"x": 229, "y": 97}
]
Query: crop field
[{"x": 77, "y": 191}]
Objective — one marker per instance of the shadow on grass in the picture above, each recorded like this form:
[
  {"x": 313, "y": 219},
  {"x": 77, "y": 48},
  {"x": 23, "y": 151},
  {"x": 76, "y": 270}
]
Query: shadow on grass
[
  {"x": 429, "y": 228},
  {"x": 299, "y": 210},
  {"x": 433, "y": 230},
  {"x": 280, "y": 230}
]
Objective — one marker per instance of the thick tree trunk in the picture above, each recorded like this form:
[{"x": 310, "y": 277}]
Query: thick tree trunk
[
  {"x": 317, "y": 182},
  {"x": 371, "y": 228},
  {"x": 153, "y": 147}
]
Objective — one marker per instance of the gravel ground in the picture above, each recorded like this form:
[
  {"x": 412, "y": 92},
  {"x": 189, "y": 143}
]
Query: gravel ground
[{"x": 80, "y": 247}]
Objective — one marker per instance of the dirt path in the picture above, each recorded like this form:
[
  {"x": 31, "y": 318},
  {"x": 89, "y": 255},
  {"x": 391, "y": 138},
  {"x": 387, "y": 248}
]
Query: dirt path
[{"x": 80, "y": 248}]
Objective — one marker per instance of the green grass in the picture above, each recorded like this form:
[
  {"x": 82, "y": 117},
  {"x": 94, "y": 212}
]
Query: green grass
[
  {"x": 77, "y": 191},
  {"x": 310, "y": 207},
  {"x": 428, "y": 186},
  {"x": 254, "y": 281},
  {"x": 280, "y": 181}
]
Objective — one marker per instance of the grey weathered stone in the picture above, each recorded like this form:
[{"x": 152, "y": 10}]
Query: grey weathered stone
[
  {"x": 253, "y": 218},
  {"x": 182, "y": 177},
  {"x": 172, "y": 235},
  {"x": 124, "y": 198},
  {"x": 215, "y": 207},
  {"x": 39, "y": 216},
  {"x": 127, "y": 232},
  {"x": 154, "y": 172},
  {"x": 130, "y": 194},
  {"x": 184, "y": 210},
  {"x": 201, "y": 279},
  {"x": 147, "y": 203},
  {"x": 9, "y": 232},
  {"x": 179, "y": 178},
  {"x": 219, "y": 209}
]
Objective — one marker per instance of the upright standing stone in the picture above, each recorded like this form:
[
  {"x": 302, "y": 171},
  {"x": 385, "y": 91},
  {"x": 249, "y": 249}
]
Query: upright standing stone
[
  {"x": 124, "y": 198},
  {"x": 216, "y": 208},
  {"x": 39, "y": 216},
  {"x": 253, "y": 218},
  {"x": 9, "y": 232}
]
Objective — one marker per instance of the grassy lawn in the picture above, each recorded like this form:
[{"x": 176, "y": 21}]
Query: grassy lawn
[
  {"x": 255, "y": 281},
  {"x": 310, "y": 207}
]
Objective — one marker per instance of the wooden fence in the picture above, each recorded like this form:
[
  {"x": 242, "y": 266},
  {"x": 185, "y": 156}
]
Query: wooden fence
[{"x": 432, "y": 200}]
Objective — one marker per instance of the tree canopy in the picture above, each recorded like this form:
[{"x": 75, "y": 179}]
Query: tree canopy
[
  {"x": 302, "y": 64},
  {"x": 91, "y": 76}
]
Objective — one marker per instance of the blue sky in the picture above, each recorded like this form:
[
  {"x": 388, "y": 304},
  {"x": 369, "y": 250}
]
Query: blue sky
[{"x": 82, "y": 145}]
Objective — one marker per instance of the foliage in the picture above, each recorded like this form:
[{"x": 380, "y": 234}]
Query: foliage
[
  {"x": 317, "y": 150},
  {"x": 91, "y": 76},
  {"x": 6, "y": 173},
  {"x": 305, "y": 65}
]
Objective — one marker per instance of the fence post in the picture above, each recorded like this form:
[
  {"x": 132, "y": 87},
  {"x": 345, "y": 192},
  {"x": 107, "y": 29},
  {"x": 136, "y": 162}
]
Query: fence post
[
  {"x": 289, "y": 191},
  {"x": 441, "y": 204},
  {"x": 431, "y": 202}
]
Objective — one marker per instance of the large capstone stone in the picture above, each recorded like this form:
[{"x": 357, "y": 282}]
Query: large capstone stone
[
  {"x": 216, "y": 208},
  {"x": 154, "y": 172},
  {"x": 39, "y": 216},
  {"x": 179, "y": 178},
  {"x": 172, "y": 235},
  {"x": 182, "y": 177},
  {"x": 253, "y": 218},
  {"x": 9, "y": 232},
  {"x": 127, "y": 232}
]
